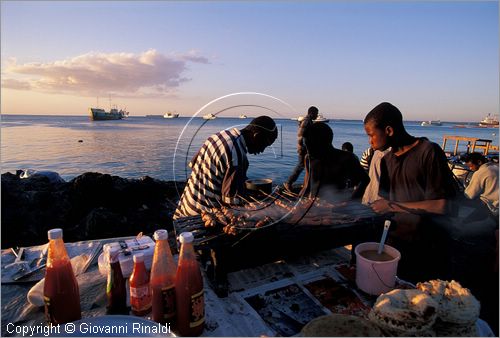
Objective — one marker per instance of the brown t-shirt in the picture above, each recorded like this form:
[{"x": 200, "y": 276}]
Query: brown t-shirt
[{"x": 420, "y": 174}]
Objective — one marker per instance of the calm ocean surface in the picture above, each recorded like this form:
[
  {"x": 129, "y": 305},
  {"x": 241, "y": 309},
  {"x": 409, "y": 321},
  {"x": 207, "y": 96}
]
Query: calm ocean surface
[{"x": 139, "y": 146}]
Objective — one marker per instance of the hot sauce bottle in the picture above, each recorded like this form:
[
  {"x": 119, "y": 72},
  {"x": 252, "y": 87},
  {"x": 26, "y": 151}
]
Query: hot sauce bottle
[
  {"x": 140, "y": 290},
  {"x": 189, "y": 290},
  {"x": 60, "y": 292},
  {"x": 163, "y": 280},
  {"x": 116, "y": 291}
]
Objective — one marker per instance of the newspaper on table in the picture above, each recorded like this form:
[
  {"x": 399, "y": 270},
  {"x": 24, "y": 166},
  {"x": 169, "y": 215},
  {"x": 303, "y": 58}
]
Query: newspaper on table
[{"x": 35, "y": 258}]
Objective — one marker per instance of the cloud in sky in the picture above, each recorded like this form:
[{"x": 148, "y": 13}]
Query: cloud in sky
[{"x": 149, "y": 74}]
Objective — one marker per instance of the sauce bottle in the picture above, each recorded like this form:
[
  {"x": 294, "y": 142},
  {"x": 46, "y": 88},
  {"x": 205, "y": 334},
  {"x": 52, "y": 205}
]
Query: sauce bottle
[
  {"x": 189, "y": 290},
  {"x": 163, "y": 280},
  {"x": 60, "y": 291},
  {"x": 116, "y": 291},
  {"x": 140, "y": 291}
]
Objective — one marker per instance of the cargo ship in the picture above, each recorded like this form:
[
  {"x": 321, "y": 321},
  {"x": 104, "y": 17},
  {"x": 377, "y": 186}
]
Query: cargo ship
[{"x": 98, "y": 114}]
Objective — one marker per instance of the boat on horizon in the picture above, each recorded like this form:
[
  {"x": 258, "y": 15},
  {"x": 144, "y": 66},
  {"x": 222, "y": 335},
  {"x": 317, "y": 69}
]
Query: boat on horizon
[
  {"x": 489, "y": 121},
  {"x": 243, "y": 116},
  {"x": 170, "y": 115},
  {"x": 209, "y": 117},
  {"x": 320, "y": 118},
  {"x": 99, "y": 114},
  {"x": 431, "y": 123}
]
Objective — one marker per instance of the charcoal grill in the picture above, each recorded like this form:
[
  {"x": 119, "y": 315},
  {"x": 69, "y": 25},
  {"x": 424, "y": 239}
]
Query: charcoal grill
[{"x": 222, "y": 253}]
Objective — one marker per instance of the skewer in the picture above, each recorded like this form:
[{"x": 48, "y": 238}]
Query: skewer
[
  {"x": 284, "y": 197},
  {"x": 244, "y": 199},
  {"x": 254, "y": 199},
  {"x": 289, "y": 193}
]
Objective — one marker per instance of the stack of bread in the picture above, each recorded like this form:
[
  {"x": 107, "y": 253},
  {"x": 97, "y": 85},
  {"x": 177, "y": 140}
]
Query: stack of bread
[
  {"x": 405, "y": 313},
  {"x": 458, "y": 310}
]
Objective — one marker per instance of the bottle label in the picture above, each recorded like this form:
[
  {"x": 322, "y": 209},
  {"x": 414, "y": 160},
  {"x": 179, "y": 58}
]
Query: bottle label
[
  {"x": 168, "y": 298},
  {"x": 48, "y": 309},
  {"x": 111, "y": 282},
  {"x": 197, "y": 309},
  {"x": 140, "y": 297}
]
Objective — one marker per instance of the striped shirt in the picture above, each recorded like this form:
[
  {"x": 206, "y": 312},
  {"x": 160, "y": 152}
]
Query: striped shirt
[
  {"x": 366, "y": 158},
  {"x": 218, "y": 174}
]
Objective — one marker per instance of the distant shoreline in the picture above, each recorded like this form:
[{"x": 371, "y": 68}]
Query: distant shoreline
[{"x": 467, "y": 124}]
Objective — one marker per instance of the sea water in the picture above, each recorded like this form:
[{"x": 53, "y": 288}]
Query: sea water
[{"x": 161, "y": 148}]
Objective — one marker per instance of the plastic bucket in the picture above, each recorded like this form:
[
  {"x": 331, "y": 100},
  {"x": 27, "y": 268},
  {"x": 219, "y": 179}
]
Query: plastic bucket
[{"x": 376, "y": 277}]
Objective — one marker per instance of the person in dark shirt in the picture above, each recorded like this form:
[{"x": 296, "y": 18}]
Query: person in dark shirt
[
  {"x": 416, "y": 185},
  {"x": 331, "y": 172},
  {"x": 312, "y": 114}
]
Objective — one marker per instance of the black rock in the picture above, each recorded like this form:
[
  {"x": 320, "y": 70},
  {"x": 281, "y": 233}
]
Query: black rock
[{"x": 90, "y": 206}]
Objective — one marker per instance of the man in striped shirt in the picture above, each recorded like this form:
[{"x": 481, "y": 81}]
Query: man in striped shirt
[{"x": 219, "y": 168}]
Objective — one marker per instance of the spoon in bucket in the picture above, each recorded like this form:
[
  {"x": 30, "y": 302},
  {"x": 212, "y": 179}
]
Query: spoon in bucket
[{"x": 387, "y": 224}]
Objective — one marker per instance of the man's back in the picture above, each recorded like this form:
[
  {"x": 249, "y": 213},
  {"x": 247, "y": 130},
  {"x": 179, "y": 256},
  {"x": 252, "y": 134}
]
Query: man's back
[
  {"x": 221, "y": 153},
  {"x": 484, "y": 184}
]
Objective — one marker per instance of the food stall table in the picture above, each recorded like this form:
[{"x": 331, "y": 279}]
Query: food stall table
[{"x": 276, "y": 298}]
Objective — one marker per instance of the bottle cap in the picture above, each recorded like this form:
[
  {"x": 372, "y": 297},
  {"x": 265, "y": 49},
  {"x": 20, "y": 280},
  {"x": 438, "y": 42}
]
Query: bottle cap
[
  {"x": 160, "y": 234},
  {"x": 186, "y": 237},
  {"x": 55, "y": 233},
  {"x": 112, "y": 253},
  {"x": 138, "y": 257},
  {"x": 112, "y": 250}
]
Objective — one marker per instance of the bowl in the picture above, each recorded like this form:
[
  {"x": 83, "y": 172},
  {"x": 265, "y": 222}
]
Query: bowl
[{"x": 262, "y": 185}]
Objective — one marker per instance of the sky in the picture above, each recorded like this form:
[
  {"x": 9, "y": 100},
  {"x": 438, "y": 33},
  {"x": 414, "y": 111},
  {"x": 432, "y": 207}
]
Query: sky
[{"x": 433, "y": 60}]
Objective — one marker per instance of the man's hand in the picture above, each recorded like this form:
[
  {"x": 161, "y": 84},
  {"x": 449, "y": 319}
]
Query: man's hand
[{"x": 382, "y": 206}]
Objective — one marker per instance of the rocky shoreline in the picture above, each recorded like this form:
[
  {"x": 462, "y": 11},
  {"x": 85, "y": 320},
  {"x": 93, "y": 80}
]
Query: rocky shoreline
[{"x": 90, "y": 206}]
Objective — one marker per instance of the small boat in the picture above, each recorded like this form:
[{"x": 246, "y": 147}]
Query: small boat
[
  {"x": 170, "y": 115},
  {"x": 209, "y": 117},
  {"x": 431, "y": 123},
  {"x": 98, "y": 114},
  {"x": 489, "y": 121},
  {"x": 243, "y": 116},
  {"x": 321, "y": 118}
]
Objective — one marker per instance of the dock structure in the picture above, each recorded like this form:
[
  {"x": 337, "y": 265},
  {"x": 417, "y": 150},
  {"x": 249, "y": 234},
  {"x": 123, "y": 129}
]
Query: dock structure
[{"x": 473, "y": 144}]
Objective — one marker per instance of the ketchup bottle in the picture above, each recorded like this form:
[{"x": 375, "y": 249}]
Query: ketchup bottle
[
  {"x": 189, "y": 290},
  {"x": 116, "y": 291},
  {"x": 163, "y": 280},
  {"x": 140, "y": 291},
  {"x": 60, "y": 292}
]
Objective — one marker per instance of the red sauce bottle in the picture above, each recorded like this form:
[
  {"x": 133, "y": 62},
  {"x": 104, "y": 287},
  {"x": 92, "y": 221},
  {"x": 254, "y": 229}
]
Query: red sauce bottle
[
  {"x": 116, "y": 291},
  {"x": 60, "y": 292},
  {"x": 140, "y": 290},
  {"x": 189, "y": 290},
  {"x": 163, "y": 272}
]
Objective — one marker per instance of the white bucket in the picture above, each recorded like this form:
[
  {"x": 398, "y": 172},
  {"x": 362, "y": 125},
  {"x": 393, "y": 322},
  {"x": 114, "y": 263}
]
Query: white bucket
[{"x": 376, "y": 277}]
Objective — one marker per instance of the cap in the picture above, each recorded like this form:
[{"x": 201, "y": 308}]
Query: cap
[
  {"x": 55, "y": 233},
  {"x": 111, "y": 250},
  {"x": 186, "y": 237},
  {"x": 112, "y": 253},
  {"x": 138, "y": 257},
  {"x": 160, "y": 234}
]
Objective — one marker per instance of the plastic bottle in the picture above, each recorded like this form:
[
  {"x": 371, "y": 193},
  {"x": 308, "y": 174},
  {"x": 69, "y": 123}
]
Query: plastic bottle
[
  {"x": 189, "y": 290},
  {"x": 140, "y": 290},
  {"x": 163, "y": 280},
  {"x": 116, "y": 291},
  {"x": 60, "y": 292}
]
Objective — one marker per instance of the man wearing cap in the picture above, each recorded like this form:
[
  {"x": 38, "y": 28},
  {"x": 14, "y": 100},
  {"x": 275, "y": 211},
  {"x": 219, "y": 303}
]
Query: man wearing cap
[{"x": 219, "y": 168}]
